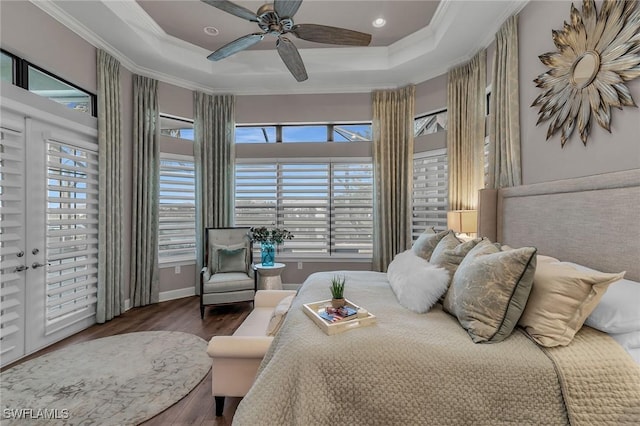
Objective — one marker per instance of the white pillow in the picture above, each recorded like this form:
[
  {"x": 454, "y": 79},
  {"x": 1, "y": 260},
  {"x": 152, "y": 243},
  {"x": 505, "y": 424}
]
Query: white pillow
[
  {"x": 630, "y": 342},
  {"x": 418, "y": 285},
  {"x": 619, "y": 309},
  {"x": 277, "y": 317}
]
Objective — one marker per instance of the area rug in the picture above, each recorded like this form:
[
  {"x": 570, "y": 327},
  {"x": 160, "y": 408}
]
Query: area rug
[{"x": 118, "y": 380}]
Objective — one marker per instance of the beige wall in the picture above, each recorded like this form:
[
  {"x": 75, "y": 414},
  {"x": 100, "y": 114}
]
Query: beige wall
[
  {"x": 74, "y": 60},
  {"x": 30, "y": 33},
  {"x": 545, "y": 160}
]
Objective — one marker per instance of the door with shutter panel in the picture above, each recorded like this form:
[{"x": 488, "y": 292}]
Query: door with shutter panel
[
  {"x": 54, "y": 211},
  {"x": 12, "y": 238}
]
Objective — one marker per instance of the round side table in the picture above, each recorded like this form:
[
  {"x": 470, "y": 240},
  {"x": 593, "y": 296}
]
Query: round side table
[{"x": 269, "y": 276}]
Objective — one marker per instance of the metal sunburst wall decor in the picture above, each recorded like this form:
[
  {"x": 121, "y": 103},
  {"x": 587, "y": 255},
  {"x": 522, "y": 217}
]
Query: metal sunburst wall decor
[{"x": 597, "y": 53}]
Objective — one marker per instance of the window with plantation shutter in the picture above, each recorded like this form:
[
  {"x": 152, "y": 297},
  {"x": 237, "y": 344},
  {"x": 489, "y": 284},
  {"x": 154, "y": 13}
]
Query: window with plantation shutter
[
  {"x": 71, "y": 233},
  {"x": 177, "y": 209},
  {"x": 430, "y": 188},
  {"x": 326, "y": 204}
]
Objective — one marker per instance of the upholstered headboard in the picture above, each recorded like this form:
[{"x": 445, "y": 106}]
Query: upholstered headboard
[{"x": 593, "y": 220}]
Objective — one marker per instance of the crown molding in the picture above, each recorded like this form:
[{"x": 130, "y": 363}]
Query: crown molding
[{"x": 156, "y": 54}]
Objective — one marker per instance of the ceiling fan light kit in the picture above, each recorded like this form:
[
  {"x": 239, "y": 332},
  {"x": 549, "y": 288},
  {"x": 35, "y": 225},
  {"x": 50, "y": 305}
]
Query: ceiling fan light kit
[{"x": 276, "y": 19}]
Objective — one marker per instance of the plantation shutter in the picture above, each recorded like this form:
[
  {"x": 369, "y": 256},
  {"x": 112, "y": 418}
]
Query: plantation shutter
[
  {"x": 430, "y": 188},
  {"x": 177, "y": 210},
  {"x": 72, "y": 233}
]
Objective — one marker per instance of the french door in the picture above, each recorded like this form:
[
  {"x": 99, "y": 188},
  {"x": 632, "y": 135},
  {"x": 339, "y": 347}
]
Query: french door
[{"x": 48, "y": 231}]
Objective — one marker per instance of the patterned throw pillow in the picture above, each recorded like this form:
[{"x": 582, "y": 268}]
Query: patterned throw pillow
[
  {"x": 450, "y": 251},
  {"x": 490, "y": 290},
  {"x": 426, "y": 242}
]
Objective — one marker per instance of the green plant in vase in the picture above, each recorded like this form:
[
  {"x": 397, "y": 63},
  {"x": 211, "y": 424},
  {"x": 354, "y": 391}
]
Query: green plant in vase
[
  {"x": 269, "y": 239},
  {"x": 337, "y": 292}
]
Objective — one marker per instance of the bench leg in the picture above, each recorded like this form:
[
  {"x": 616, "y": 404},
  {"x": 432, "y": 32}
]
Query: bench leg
[{"x": 219, "y": 405}]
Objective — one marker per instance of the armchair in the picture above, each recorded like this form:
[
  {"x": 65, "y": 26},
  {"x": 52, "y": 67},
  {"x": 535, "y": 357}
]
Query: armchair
[{"x": 227, "y": 275}]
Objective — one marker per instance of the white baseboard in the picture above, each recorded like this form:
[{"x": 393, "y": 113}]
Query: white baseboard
[
  {"x": 167, "y": 295},
  {"x": 177, "y": 294}
]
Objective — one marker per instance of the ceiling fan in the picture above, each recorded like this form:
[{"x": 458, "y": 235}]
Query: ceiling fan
[{"x": 276, "y": 19}]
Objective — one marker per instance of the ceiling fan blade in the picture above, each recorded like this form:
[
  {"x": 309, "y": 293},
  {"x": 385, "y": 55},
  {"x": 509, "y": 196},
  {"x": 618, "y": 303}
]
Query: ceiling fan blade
[
  {"x": 291, "y": 58},
  {"x": 286, "y": 8},
  {"x": 233, "y": 9},
  {"x": 235, "y": 46},
  {"x": 331, "y": 35}
]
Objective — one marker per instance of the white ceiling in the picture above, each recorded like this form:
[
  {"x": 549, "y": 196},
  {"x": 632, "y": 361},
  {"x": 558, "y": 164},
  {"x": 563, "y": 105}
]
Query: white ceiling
[{"x": 164, "y": 39}]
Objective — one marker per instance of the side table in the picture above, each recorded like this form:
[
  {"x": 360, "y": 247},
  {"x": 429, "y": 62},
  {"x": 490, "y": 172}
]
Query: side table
[{"x": 268, "y": 277}]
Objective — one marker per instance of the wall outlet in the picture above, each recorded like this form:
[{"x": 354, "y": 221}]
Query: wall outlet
[
  {"x": 299, "y": 265},
  {"x": 176, "y": 270}
]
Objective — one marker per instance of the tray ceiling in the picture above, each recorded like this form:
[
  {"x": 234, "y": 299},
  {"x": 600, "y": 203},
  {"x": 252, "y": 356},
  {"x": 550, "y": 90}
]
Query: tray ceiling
[{"x": 165, "y": 39}]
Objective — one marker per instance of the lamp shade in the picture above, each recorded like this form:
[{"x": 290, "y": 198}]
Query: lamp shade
[{"x": 463, "y": 221}]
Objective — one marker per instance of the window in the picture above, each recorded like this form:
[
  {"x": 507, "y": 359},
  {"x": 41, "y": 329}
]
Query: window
[
  {"x": 177, "y": 210},
  {"x": 7, "y": 72},
  {"x": 358, "y": 132},
  {"x": 255, "y": 134},
  {"x": 351, "y": 132},
  {"x": 176, "y": 127},
  {"x": 430, "y": 123},
  {"x": 304, "y": 134},
  {"x": 430, "y": 191},
  {"x": 327, "y": 205},
  {"x": 43, "y": 83}
]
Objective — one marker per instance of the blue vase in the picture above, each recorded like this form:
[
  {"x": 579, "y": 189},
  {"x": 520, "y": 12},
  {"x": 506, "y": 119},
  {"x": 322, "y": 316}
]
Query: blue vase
[{"x": 268, "y": 254}]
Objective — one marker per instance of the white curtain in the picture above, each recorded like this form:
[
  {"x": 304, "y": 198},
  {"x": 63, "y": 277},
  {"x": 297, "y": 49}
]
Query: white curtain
[
  {"x": 144, "y": 207},
  {"x": 504, "y": 127},
  {"x": 393, "y": 114},
  {"x": 465, "y": 132},
  {"x": 214, "y": 152},
  {"x": 110, "y": 283}
]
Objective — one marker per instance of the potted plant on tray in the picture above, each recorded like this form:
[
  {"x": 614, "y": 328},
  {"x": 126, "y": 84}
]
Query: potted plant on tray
[
  {"x": 337, "y": 292},
  {"x": 268, "y": 239}
]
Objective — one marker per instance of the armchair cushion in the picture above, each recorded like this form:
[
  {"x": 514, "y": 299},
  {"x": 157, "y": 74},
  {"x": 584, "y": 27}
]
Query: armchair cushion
[{"x": 228, "y": 281}]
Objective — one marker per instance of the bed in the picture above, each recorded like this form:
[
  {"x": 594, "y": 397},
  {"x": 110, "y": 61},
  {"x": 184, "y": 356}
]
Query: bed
[{"x": 412, "y": 368}]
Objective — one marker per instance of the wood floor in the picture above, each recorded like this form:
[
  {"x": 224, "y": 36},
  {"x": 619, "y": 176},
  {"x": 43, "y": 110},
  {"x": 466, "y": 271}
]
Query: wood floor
[{"x": 197, "y": 408}]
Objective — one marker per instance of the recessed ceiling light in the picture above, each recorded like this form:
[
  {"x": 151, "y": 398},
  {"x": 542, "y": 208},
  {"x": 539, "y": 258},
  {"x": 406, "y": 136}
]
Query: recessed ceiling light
[
  {"x": 379, "y": 23},
  {"x": 212, "y": 31}
]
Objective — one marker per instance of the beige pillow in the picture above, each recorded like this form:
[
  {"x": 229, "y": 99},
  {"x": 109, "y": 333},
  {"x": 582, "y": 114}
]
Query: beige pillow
[
  {"x": 539, "y": 257},
  {"x": 561, "y": 299},
  {"x": 277, "y": 317},
  {"x": 490, "y": 290},
  {"x": 426, "y": 242},
  {"x": 450, "y": 251}
]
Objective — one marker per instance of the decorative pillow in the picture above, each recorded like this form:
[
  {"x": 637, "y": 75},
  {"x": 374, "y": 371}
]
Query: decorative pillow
[
  {"x": 426, "y": 242},
  {"x": 417, "y": 284},
  {"x": 450, "y": 251},
  {"x": 214, "y": 256},
  {"x": 232, "y": 260},
  {"x": 490, "y": 290},
  {"x": 561, "y": 299},
  {"x": 619, "y": 309},
  {"x": 539, "y": 257},
  {"x": 277, "y": 317}
]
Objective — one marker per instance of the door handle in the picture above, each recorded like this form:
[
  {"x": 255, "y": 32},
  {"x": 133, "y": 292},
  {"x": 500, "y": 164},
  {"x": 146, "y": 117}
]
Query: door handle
[
  {"x": 36, "y": 265},
  {"x": 21, "y": 268}
]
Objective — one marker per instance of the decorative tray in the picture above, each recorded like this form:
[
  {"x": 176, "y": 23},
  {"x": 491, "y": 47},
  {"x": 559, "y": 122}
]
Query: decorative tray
[{"x": 315, "y": 308}]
